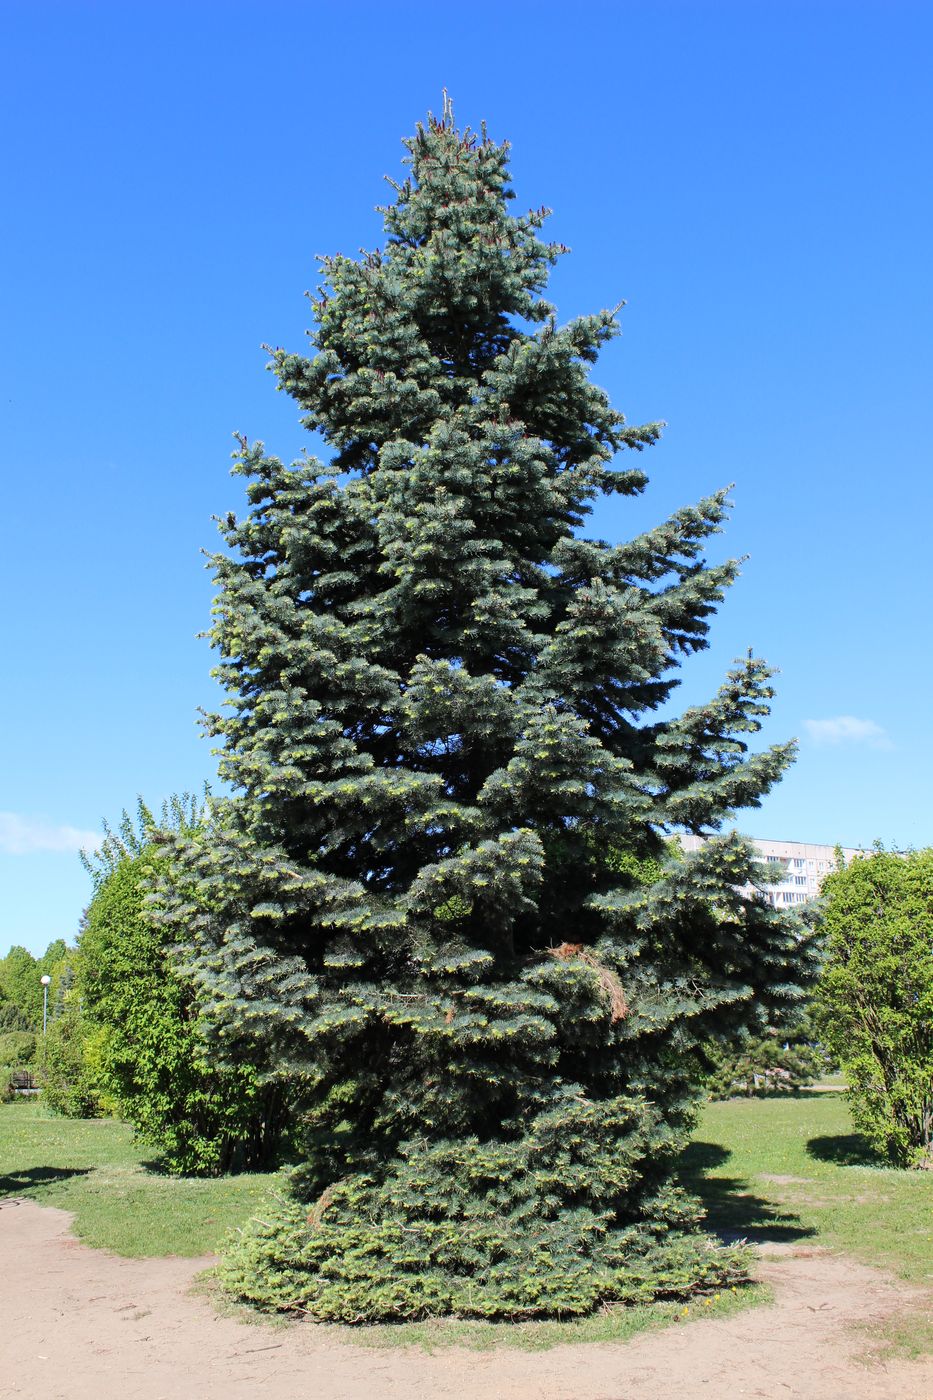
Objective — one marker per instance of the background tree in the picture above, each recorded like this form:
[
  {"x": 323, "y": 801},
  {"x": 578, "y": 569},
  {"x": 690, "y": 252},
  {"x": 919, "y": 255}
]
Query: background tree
[
  {"x": 780, "y": 1059},
  {"x": 22, "y": 1047},
  {"x": 876, "y": 997},
  {"x": 144, "y": 1030},
  {"x": 443, "y": 716},
  {"x": 17, "y": 1047},
  {"x": 12, "y": 1019},
  {"x": 21, "y": 979},
  {"x": 20, "y": 983}
]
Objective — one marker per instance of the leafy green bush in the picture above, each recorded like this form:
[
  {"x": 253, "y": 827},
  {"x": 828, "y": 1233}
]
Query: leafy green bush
[
  {"x": 17, "y": 1048},
  {"x": 94, "y": 1049},
  {"x": 69, "y": 1084},
  {"x": 876, "y": 997},
  {"x": 205, "y": 1114}
]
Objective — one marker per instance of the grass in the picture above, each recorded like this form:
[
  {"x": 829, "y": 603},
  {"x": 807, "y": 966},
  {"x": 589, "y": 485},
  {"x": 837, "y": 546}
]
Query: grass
[
  {"x": 94, "y": 1168},
  {"x": 793, "y": 1169},
  {"x": 778, "y": 1169}
]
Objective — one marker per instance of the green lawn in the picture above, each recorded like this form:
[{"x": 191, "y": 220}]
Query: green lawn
[
  {"x": 794, "y": 1169},
  {"x": 785, "y": 1169},
  {"x": 95, "y": 1169}
]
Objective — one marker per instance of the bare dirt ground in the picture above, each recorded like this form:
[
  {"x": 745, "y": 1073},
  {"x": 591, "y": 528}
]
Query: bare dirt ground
[{"x": 77, "y": 1323}]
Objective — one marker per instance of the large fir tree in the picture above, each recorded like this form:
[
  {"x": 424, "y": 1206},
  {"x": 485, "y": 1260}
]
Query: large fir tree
[{"x": 442, "y": 889}]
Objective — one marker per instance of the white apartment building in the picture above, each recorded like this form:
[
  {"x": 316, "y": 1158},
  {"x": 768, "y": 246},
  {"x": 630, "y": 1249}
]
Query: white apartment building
[{"x": 804, "y": 866}]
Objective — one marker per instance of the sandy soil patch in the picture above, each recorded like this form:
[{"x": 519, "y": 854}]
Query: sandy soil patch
[{"x": 77, "y": 1323}]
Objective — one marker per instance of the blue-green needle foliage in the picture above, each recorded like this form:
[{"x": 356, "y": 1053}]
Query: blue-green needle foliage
[{"x": 442, "y": 886}]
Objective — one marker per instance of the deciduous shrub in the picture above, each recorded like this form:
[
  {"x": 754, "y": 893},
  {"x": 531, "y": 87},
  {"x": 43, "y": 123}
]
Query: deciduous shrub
[
  {"x": 204, "y": 1113},
  {"x": 69, "y": 1082},
  {"x": 17, "y": 1048},
  {"x": 876, "y": 996}
]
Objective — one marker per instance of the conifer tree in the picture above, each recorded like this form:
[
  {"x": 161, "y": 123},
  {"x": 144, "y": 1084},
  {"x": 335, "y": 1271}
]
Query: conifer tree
[{"x": 442, "y": 888}]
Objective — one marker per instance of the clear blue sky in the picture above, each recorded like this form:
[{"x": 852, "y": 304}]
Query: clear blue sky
[{"x": 753, "y": 178}]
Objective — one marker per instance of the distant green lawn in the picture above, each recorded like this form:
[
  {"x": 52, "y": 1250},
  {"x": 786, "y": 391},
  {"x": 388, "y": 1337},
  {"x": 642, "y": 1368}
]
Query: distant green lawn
[{"x": 780, "y": 1169}]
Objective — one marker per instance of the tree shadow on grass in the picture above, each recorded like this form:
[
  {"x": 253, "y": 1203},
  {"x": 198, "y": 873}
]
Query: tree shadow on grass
[
  {"x": 30, "y": 1181},
  {"x": 158, "y": 1166},
  {"x": 733, "y": 1212},
  {"x": 845, "y": 1150},
  {"x": 831, "y": 1091}
]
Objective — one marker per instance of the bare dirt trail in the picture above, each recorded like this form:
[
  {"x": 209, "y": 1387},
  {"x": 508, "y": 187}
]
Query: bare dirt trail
[{"x": 77, "y": 1323}]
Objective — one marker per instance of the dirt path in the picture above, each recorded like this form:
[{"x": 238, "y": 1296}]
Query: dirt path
[{"x": 77, "y": 1323}]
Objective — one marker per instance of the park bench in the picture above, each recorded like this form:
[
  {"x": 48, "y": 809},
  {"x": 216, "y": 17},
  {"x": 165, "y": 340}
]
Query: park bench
[{"x": 23, "y": 1082}]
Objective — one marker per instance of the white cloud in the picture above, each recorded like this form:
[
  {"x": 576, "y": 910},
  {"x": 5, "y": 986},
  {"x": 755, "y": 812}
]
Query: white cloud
[
  {"x": 21, "y": 836},
  {"x": 846, "y": 729}
]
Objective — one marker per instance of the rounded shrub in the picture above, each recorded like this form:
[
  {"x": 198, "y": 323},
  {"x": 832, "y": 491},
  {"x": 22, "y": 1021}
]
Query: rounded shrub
[
  {"x": 205, "y": 1115},
  {"x": 17, "y": 1048}
]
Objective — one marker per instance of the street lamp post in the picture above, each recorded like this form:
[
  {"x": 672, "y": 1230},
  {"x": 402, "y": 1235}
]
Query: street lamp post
[{"x": 45, "y": 979}]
